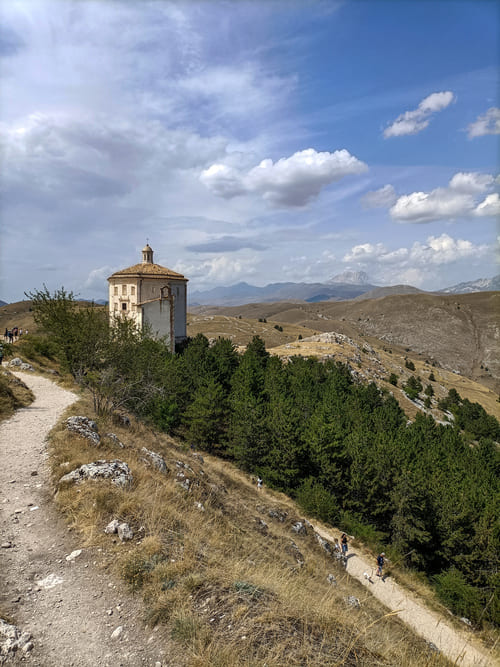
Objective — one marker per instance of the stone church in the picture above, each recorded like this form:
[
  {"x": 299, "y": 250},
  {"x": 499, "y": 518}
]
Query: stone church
[{"x": 152, "y": 295}]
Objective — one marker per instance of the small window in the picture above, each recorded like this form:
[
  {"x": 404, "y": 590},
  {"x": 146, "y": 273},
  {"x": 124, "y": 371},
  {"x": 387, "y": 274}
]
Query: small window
[
  {"x": 124, "y": 290},
  {"x": 116, "y": 290},
  {"x": 116, "y": 306},
  {"x": 124, "y": 306},
  {"x": 132, "y": 291}
]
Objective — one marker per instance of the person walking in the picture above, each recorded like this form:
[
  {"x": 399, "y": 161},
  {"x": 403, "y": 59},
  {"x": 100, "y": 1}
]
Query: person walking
[
  {"x": 345, "y": 548},
  {"x": 259, "y": 483},
  {"x": 380, "y": 564}
]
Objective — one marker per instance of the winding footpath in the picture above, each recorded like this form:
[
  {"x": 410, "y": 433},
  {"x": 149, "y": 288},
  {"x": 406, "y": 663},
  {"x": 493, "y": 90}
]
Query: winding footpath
[{"x": 71, "y": 607}]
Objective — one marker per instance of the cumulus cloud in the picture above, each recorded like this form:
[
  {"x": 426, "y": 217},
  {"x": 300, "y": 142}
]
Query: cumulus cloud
[
  {"x": 217, "y": 270},
  {"x": 488, "y": 123},
  {"x": 455, "y": 201},
  {"x": 410, "y": 265},
  {"x": 382, "y": 198},
  {"x": 413, "y": 122},
  {"x": 288, "y": 182},
  {"x": 489, "y": 206}
]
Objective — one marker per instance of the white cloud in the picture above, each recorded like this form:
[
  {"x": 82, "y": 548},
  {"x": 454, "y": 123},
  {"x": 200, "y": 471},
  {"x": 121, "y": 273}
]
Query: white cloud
[
  {"x": 490, "y": 206},
  {"x": 437, "y": 250},
  {"x": 455, "y": 201},
  {"x": 217, "y": 270},
  {"x": 288, "y": 182},
  {"x": 413, "y": 122},
  {"x": 383, "y": 197},
  {"x": 489, "y": 123},
  {"x": 97, "y": 277},
  {"x": 471, "y": 182}
]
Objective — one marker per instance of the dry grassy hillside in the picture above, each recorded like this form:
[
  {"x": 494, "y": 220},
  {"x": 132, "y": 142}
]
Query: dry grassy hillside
[
  {"x": 219, "y": 564},
  {"x": 457, "y": 332}
]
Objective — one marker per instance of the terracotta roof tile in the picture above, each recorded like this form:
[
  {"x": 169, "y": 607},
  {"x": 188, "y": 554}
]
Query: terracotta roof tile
[{"x": 148, "y": 270}]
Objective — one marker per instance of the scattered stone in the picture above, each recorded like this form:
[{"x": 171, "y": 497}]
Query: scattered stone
[
  {"x": 112, "y": 527},
  {"x": 154, "y": 459},
  {"x": 6, "y": 545},
  {"x": 199, "y": 457},
  {"x": 324, "y": 544},
  {"x": 353, "y": 601},
  {"x": 116, "y": 471},
  {"x": 50, "y": 581},
  {"x": 85, "y": 427},
  {"x": 12, "y": 640},
  {"x": 125, "y": 532},
  {"x": 331, "y": 579},
  {"x": 467, "y": 621},
  {"x": 278, "y": 514},
  {"x": 184, "y": 466},
  {"x": 299, "y": 528},
  {"x": 26, "y": 367},
  {"x": 185, "y": 483},
  {"x": 432, "y": 647},
  {"x": 35, "y": 507},
  {"x": 115, "y": 440},
  {"x": 117, "y": 632},
  {"x": 199, "y": 506},
  {"x": 34, "y": 473},
  {"x": 73, "y": 555},
  {"x": 109, "y": 612},
  {"x": 15, "y": 362}
]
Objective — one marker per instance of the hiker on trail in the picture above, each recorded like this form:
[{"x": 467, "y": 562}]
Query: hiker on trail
[
  {"x": 380, "y": 563},
  {"x": 336, "y": 546},
  {"x": 345, "y": 548},
  {"x": 11, "y": 336},
  {"x": 6, "y": 334},
  {"x": 259, "y": 483}
]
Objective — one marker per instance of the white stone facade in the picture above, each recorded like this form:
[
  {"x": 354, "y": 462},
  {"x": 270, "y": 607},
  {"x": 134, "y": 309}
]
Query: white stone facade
[{"x": 148, "y": 293}]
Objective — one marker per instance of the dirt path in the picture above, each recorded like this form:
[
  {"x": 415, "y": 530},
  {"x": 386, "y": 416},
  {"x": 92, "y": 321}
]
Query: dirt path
[
  {"x": 75, "y": 609},
  {"x": 430, "y": 625}
]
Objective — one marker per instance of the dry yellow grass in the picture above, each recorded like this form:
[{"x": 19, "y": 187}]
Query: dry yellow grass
[{"x": 232, "y": 585}]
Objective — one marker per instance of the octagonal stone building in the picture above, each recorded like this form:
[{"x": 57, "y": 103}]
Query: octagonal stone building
[{"x": 150, "y": 294}]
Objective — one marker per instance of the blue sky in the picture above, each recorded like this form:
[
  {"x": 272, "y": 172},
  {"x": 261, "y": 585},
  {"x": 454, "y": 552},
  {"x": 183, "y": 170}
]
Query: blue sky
[{"x": 257, "y": 141}]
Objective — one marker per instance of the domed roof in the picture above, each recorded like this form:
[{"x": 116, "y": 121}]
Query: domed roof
[
  {"x": 147, "y": 248},
  {"x": 149, "y": 270}
]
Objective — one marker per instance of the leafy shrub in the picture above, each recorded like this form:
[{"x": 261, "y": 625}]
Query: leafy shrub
[
  {"x": 317, "y": 501},
  {"x": 393, "y": 379},
  {"x": 462, "y": 598},
  {"x": 410, "y": 365}
]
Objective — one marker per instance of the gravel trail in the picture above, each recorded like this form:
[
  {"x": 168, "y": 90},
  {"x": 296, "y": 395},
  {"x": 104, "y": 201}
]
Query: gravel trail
[{"x": 73, "y": 612}]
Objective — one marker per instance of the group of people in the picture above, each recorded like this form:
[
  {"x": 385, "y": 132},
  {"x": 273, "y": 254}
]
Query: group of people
[{"x": 13, "y": 334}]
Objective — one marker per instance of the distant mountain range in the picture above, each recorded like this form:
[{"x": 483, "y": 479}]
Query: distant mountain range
[
  {"x": 479, "y": 285},
  {"x": 347, "y": 285}
]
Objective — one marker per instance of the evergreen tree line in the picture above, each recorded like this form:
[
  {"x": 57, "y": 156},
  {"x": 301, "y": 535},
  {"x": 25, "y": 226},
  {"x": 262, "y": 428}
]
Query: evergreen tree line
[{"x": 342, "y": 449}]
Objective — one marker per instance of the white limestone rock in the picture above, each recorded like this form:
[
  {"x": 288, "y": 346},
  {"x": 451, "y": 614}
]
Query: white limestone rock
[
  {"x": 125, "y": 532},
  {"x": 155, "y": 460},
  {"x": 116, "y": 471},
  {"x": 85, "y": 427}
]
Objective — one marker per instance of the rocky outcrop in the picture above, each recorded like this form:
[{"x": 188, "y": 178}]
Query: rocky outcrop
[
  {"x": 20, "y": 364},
  {"x": 13, "y": 640},
  {"x": 116, "y": 471},
  {"x": 155, "y": 460},
  {"x": 85, "y": 427}
]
